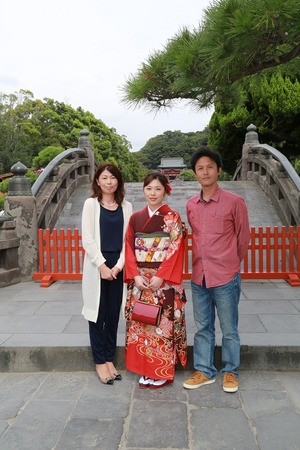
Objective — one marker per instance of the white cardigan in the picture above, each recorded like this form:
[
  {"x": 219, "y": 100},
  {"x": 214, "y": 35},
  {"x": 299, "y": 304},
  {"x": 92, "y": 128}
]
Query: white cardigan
[{"x": 94, "y": 258}]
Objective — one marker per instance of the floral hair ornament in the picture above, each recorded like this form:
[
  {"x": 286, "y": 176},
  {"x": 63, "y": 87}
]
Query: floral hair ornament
[{"x": 168, "y": 189}]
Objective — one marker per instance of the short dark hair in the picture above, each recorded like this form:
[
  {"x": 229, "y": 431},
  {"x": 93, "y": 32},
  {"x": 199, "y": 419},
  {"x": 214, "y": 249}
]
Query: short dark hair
[
  {"x": 205, "y": 151},
  {"x": 120, "y": 191}
]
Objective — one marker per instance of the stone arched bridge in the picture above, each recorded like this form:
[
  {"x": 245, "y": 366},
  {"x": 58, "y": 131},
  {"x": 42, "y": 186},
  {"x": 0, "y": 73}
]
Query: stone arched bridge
[
  {"x": 264, "y": 171},
  {"x": 264, "y": 177}
]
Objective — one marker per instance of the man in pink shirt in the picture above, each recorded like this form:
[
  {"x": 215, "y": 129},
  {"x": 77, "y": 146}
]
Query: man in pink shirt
[{"x": 221, "y": 234}]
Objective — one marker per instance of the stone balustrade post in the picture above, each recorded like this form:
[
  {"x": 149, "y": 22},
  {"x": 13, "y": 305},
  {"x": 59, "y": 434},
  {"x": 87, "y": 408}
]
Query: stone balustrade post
[
  {"x": 21, "y": 205},
  {"x": 9, "y": 245},
  {"x": 251, "y": 139},
  {"x": 85, "y": 142}
]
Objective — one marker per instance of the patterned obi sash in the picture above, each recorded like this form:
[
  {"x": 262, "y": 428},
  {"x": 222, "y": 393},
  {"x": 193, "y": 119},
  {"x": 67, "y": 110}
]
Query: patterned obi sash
[{"x": 151, "y": 247}]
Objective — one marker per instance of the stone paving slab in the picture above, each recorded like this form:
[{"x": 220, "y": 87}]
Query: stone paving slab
[
  {"x": 35, "y": 320},
  {"x": 74, "y": 411}
]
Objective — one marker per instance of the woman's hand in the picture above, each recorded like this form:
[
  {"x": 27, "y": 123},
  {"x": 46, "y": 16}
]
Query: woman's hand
[
  {"x": 141, "y": 282},
  {"x": 105, "y": 272},
  {"x": 114, "y": 272},
  {"x": 155, "y": 283}
]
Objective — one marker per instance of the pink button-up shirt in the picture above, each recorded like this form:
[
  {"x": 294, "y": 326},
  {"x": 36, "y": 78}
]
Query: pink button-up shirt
[{"x": 221, "y": 234}]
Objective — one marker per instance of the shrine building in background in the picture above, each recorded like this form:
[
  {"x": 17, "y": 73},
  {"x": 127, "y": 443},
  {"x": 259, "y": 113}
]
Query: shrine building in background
[{"x": 172, "y": 167}]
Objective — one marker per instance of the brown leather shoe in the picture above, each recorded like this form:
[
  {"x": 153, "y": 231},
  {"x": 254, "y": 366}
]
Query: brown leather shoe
[
  {"x": 230, "y": 382},
  {"x": 197, "y": 379}
]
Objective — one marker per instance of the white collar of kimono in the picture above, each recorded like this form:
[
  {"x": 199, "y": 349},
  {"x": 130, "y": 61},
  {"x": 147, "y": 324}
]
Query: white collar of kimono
[{"x": 152, "y": 212}]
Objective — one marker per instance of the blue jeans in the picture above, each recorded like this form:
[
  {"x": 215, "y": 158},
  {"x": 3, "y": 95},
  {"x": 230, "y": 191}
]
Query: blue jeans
[{"x": 206, "y": 301}]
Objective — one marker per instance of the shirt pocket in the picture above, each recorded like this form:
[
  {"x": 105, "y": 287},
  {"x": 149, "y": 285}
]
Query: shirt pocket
[
  {"x": 217, "y": 225},
  {"x": 222, "y": 224}
]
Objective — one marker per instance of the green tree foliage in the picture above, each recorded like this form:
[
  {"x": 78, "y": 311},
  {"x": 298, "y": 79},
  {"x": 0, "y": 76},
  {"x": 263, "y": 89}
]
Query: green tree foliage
[
  {"x": 245, "y": 59},
  {"x": 171, "y": 144},
  {"x": 271, "y": 101},
  {"x": 224, "y": 176},
  {"x": 187, "y": 175},
  {"x": 32, "y": 175},
  {"x": 16, "y": 132},
  {"x": 236, "y": 38},
  {"x": 45, "y": 156},
  {"x": 4, "y": 186},
  {"x": 28, "y": 126},
  {"x": 2, "y": 200}
]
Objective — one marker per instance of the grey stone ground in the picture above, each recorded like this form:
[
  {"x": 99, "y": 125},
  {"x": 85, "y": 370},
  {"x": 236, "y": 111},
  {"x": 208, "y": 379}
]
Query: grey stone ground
[
  {"x": 42, "y": 329},
  {"x": 51, "y": 398},
  {"x": 74, "y": 411}
]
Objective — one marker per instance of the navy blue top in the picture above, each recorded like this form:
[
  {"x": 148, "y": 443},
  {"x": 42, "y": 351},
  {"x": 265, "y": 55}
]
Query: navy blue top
[{"x": 111, "y": 229}]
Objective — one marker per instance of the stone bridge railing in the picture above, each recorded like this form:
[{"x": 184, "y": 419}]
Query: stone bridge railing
[
  {"x": 275, "y": 175},
  {"x": 62, "y": 176},
  {"x": 55, "y": 185},
  {"x": 30, "y": 208}
]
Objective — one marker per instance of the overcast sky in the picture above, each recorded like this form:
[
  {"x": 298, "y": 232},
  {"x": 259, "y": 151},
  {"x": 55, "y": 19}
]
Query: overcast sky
[{"x": 82, "y": 52}]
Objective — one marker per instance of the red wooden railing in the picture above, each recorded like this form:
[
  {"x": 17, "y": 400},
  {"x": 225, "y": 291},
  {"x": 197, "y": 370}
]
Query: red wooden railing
[
  {"x": 272, "y": 254},
  {"x": 60, "y": 256}
]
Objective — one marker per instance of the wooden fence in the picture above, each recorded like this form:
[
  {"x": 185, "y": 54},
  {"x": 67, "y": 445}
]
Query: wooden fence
[{"x": 272, "y": 254}]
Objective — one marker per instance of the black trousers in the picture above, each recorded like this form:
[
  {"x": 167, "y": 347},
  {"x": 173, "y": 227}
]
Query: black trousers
[{"x": 103, "y": 333}]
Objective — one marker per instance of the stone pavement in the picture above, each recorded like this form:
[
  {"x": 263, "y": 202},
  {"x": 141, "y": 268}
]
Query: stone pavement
[
  {"x": 51, "y": 398},
  {"x": 42, "y": 329},
  {"x": 74, "y": 411}
]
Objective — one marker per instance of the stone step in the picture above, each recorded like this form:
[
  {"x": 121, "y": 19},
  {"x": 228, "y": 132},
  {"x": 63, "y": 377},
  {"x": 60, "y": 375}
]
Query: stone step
[{"x": 76, "y": 359}]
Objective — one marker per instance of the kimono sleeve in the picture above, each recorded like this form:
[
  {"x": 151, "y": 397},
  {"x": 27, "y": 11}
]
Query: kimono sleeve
[
  {"x": 131, "y": 269},
  {"x": 172, "y": 266}
]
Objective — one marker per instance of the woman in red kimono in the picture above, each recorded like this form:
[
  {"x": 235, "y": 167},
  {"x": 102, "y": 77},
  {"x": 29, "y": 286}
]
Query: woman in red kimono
[{"x": 153, "y": 270}]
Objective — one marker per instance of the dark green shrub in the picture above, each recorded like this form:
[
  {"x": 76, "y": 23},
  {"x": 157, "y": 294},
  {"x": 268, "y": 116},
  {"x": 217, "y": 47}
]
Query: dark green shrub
[
  {"x": 225, "y": 176},
  {"x": 4, "y": 185},
  {"x": 187, "y": 175},
  {"x": 32, "y": 176},
  {"x": 2, "y": 198},
  {"x": 45, "y": 156}
]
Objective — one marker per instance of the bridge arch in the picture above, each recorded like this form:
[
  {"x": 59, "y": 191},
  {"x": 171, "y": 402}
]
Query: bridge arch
[
  {"x": 273, "y": 173},
  {"x": 261, "y": 163},
  {"x": 61, "y": 177}
]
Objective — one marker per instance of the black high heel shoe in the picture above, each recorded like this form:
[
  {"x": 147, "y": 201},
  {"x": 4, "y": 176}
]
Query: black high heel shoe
[
  {"x": 117, "y": 376},
  {"x": 106, "y": 380}
]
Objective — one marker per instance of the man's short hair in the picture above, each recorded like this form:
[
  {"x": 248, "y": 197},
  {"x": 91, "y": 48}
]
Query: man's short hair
[{"x": 206, "y": 151}]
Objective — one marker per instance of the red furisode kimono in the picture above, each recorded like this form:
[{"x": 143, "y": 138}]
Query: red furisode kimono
[{"x": 155, "y": 246}]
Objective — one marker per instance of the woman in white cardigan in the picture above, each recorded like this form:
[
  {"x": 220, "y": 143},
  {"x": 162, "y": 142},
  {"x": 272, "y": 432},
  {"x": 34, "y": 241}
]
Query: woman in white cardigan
[{"x": 105, "y": 219}]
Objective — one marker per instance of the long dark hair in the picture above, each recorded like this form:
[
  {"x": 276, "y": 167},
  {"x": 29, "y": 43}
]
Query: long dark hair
[
  {"x": 119, "y": 194},
  {"x": 155, "y": 175}
]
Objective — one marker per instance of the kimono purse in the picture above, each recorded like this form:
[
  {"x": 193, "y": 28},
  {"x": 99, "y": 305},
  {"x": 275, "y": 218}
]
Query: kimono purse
[{"x": 146, "y": 313}]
